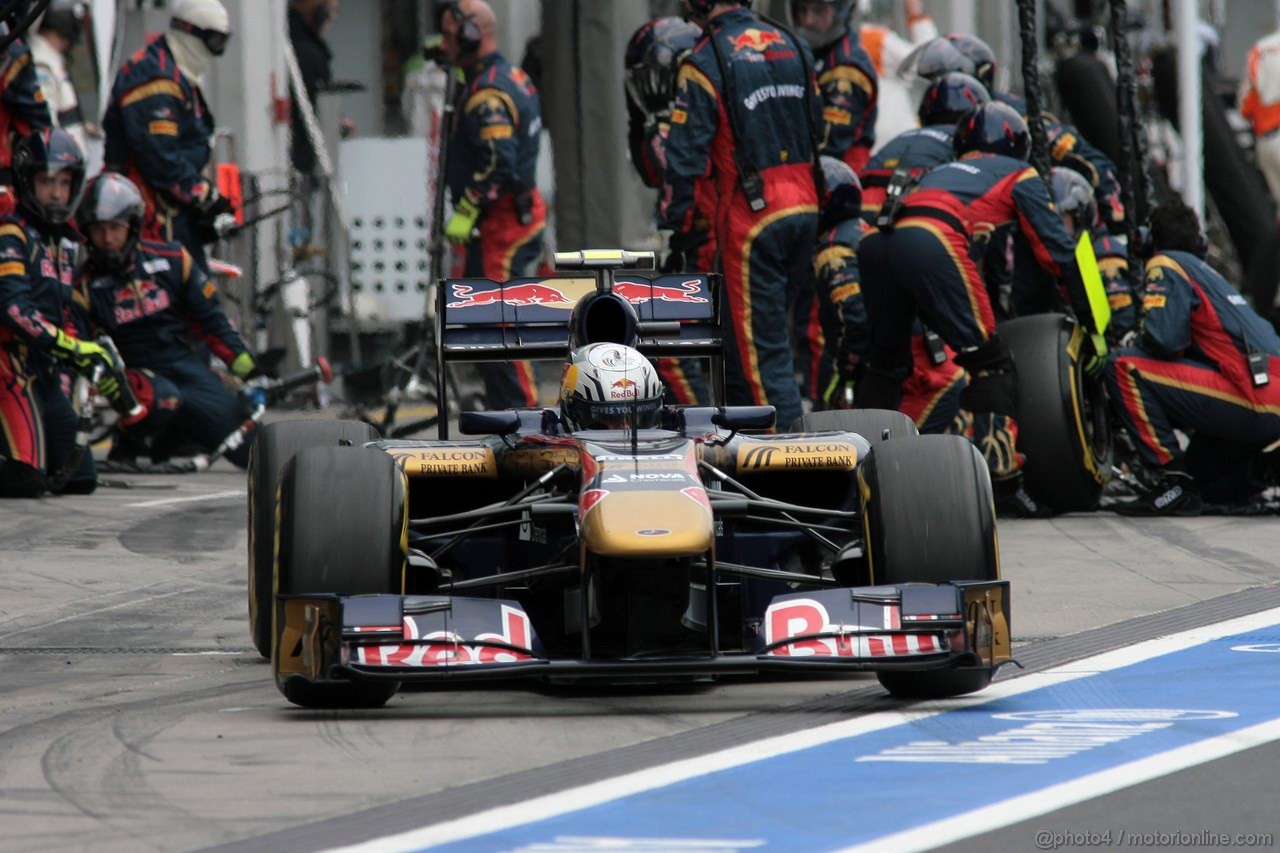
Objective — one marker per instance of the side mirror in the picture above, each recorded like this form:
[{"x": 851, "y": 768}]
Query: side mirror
[
  {"x": 489, "y": 423},
  {"x": 745, "y": 417}
]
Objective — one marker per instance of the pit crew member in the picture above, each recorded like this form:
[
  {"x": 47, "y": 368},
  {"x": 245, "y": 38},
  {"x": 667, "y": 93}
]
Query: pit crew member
[
  {"x": 159, "y": 130},
  {"x": 747, "y": 114},
  {"x": 158, "y": 307},
  {"x": 498, "y": 214},
  {"x": 23, "y": 108},
  {"x": 37, "y": 324},
  {"x": 1203, "y": 361},
  {"x": 924, "y": 264}
]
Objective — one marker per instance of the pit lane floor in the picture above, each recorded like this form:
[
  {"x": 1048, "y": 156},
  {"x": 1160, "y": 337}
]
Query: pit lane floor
[{"x": 135, "y": 716}]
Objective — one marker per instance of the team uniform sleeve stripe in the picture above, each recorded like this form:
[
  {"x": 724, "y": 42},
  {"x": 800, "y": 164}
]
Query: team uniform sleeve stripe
[
  {"x": 849, "y": 74},
  {"x": 13, "y": 268},
  {"x": 148, "y": 90},
  {"x": 689, "y": 73}
]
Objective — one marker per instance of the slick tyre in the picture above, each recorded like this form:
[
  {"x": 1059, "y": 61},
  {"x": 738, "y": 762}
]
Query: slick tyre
[
  {"x": 275, "y": 445},
  {"x": 871, "y": 424},
  {"x": 343, "y": 529},
  {"x": 929, "y": 517},
  {"x": 1062, "y": 414}
]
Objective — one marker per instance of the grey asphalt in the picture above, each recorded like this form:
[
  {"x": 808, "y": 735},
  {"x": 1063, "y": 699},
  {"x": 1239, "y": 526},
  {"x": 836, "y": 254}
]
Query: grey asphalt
[{"x": 135, "y": 716}]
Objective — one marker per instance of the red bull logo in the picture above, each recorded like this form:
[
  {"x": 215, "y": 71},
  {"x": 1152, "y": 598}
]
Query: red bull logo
[
  {"x": 757, "y": 40},
  {"x": 636, "y": 293},
  {"x": 530, "y": 293},
  {"x": 624, "y": 383}
]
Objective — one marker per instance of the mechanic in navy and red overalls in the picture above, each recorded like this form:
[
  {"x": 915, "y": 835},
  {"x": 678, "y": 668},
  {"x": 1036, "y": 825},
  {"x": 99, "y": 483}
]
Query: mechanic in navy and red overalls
[
  {"x": 850, "y": 91},
  {"x": 1203, "y": 362},
  {"x": 925, "y": 265},
  {"x": 498, "y": 213},
  {"x": 23, "y": 108},
  {"x": 652, "y": 58},
  {"x": 931, "y": 394},
  {"x": 37, "y": 324},
  {"x": 754, "y": 132},
  {"x": 916, "y": 151},
  {"x": 846, "y": 77},
  {"x": 159, "y": 307},
  {"x": 159, "y": 129}
]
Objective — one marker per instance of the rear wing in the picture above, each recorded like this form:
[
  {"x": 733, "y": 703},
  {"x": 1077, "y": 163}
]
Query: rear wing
[{"x": 529, "y": 318}]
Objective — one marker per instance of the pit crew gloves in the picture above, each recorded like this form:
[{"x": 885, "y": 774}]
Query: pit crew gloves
[
  {"x": 85, "y": 358},
  {"x": 244, "y": 367},
  {"x": 460, "y": 225}
]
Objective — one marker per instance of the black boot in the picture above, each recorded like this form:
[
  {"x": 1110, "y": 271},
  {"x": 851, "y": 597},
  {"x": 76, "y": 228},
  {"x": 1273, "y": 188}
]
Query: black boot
[
  {"x": 1172, "y": 492},
  {"x": 1013, "y": 500}
]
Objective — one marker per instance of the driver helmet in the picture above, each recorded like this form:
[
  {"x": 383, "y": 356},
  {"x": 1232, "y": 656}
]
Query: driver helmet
[
  {"x": 609, "y": 386},
  {"x": 652, "y": 59},
  {"x": 818, "y": 39},
  {"x": 111, "y": 197}
]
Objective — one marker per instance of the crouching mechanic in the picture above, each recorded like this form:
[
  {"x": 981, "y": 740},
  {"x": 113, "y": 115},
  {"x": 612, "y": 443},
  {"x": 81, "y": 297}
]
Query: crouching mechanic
[
  {"x": 159, "y": 309},
  {"x": 923, "y": 263},
  {"x": 37, "y": 267},
  {"x": 1205, "y": 363}
]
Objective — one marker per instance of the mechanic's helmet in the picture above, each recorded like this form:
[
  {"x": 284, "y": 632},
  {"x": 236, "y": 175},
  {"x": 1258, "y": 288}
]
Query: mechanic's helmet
[
  {"x": 804, "y": 11},
  {"x": 610, "y": 386},
  {"x": 842, "y": 196},
  {"x": 652, "y": 59},
  {"x": 994, "y": 128},
  {"x": 48, "y": 151},
  {"x": 1073, "y": 196},
  {"x": 949, "y": 97},
  {"x": 206, "y": 20},
  {"x": 933, "y": 59},
  {"x": 66, "y": 18},
  {"x": 980, "y": 54},
  {"x": 111, "y": 197}
]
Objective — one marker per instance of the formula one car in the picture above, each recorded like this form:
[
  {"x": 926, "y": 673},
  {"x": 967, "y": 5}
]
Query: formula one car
[{"x": 700, "y": 547}]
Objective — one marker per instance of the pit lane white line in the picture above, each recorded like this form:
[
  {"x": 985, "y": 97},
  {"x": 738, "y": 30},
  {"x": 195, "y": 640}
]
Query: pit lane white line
[
  {"x": 577, "y": 799},
  {"x": 209, "y": 497},
  {"x": 1051, "y": 799}
]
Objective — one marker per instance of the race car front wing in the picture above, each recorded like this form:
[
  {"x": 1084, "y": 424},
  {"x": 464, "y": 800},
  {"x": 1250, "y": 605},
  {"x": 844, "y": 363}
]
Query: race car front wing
[{"x": 334, "y": 638}]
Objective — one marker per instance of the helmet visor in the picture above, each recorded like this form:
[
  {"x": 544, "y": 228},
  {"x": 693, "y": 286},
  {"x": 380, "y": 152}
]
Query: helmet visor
[{"x": 615, "y": 414}]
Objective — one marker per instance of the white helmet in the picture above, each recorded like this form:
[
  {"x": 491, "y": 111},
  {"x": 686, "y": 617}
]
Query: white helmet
[
  {"x": 206, "y": 20},
  {"x": 609, "y": 386}
]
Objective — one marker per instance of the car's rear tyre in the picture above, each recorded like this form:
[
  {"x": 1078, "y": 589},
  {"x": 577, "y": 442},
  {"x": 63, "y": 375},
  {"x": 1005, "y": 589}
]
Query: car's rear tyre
[
  {"x": 871, "y": 424},
  {"x": 929, "y": 517},
  {"x": 275, "y": 445},
  {"x": 1062, "y": 415},
  {"x": 343, "y": 524}
]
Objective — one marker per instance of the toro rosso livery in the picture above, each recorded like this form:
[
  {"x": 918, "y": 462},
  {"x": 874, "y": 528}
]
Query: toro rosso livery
[{"x": 616, "y": 538}]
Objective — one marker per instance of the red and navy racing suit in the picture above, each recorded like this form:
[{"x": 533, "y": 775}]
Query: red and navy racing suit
[
  {"x": 1189, "y": 369},
  {"x": 931, "y": 394},
  {"x": 162, "y": 312},
  {"x": 158, "y": 130},
  {"x": 37, "y": 422},
  {"x": 850, "y": 95},
  {"x": 492, "y": 160},
  {"x": 647, "y": 138},
  {"x": 766, "y": 255},
  {"x": 917, "y": 151},
  {"x": 22, "y": 110},
  {"x": 925, "y": 266}
]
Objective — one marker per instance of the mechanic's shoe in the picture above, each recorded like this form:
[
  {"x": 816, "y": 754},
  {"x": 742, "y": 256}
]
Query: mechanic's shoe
[
  {"x": 1013, "y": 500},
  {"x": 1172, "y": 493}
]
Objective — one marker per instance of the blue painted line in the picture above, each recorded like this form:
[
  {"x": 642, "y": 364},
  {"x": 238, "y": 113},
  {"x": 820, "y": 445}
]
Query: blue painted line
[{"x": 862, "y": 788}]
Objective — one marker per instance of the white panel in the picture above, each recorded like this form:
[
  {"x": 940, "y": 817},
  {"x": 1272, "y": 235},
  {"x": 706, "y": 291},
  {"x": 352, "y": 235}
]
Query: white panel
[{"x": 385, "y": 195}]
